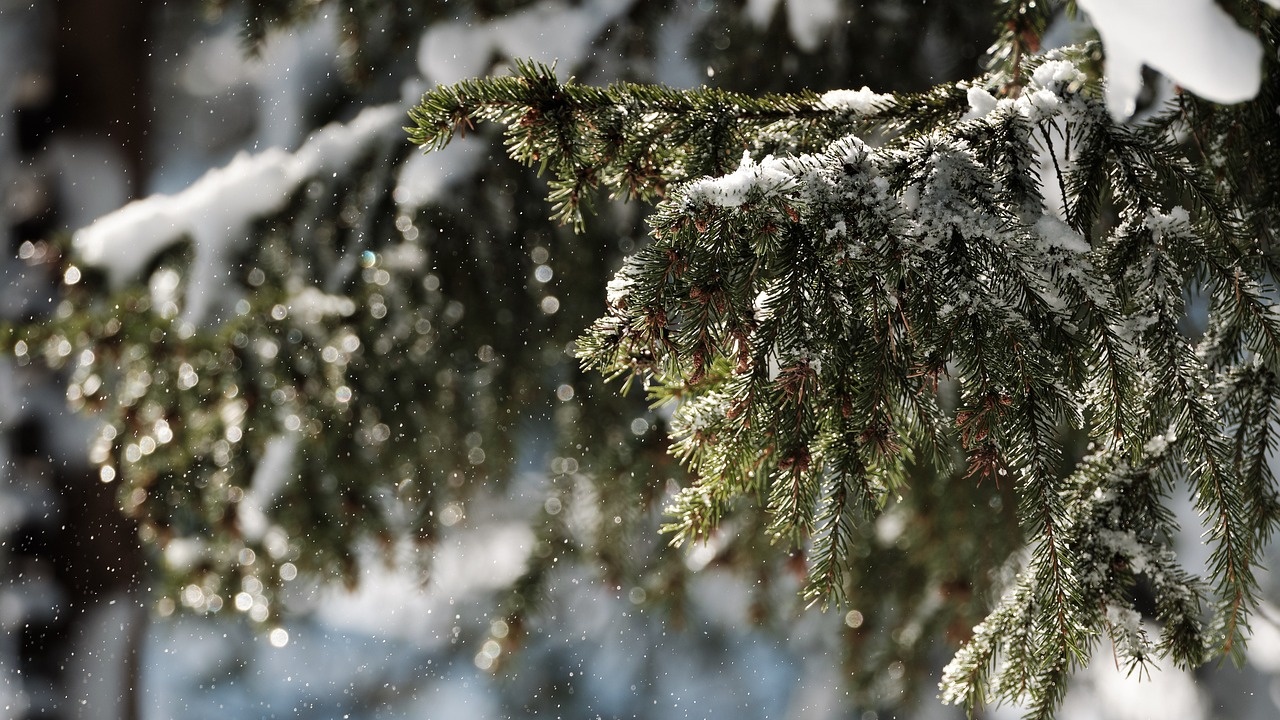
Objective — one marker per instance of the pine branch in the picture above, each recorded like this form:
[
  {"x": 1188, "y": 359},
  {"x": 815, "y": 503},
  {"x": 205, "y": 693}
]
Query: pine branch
[
  {"x": 1021, "y": 24},
  {"x": 858, "y": 274},
  {"x": 1182, "y": 398},
  {"x": 634, "y": 139}
]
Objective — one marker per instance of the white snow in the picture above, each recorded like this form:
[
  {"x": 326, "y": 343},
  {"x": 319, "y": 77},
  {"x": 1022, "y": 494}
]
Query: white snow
[
  {"x": 1047, "y": 94},
  {"x": 545, "y": 32},
  {"x": 555, "y": 31},
  {"x": 216, "y": 210},
  {"x": 393, "y": 601},
  {"x": 761, "y": 12},
  {"x": 1057, "y": 75},
  {"x": 336, "y": 146},
  {"x": 768, "y": 177},
  {"x": 1173, "y": 223},
  {"x": 981, "y": 102},
  {"x": 1126, "y": 543},
  {"x": 1126, "y": 624},
  {"x": 1105, "y": 690},
  {"x": 1039, "y": 104},
  {"x": 424, "y": 176},
  {"x": 273, "y": 473},
  {"x": 454, "y": 51},
  {"x": 1055, "y": 233},
  {"x": 858, "y": 102},
  {"x": 1193, "y": 42},
  {"x": 310, "y": 305},
  {"x": 184, "y": 553},
  {"x": 618, "y": 289},
  {"x": 214, "y": 98},
  {"x": 807, "y": 20}
]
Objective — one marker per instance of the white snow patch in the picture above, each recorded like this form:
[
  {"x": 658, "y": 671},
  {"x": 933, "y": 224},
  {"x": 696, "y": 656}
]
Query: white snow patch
[
  {"x": 890, "y": 526},
  {"x": 454, "y": 51},
  {"x": 1193, "y": 42},
  {"x": 555, "y": 31},
  {"x": 1055, "y": 233},
  {"x": 125, "y": 241},
  {"x": 546, "y": 32},
  {"x": 1039, "y": 104},
  {"x": 858, "y": 102},
  {"x": 1044, "y": 97},
  {"x": 183, "y": 554},
  {"x": 1057, "y": 75},
  {"x": 216, "y": 210},
  {"x": 335, "y": 146},
  {"x": 1264, "y": 646},
  {"x": 981, "y": 102},
  {"x": 311, "y": 305},
  {"x": 768, "y": 177},
  {"x": 618, "y": 289},
  {"x": 1173, "y": 223},
  {"x": 809, "y": 20},
  {"x": 272, "y": 473},
  {"x": 761, "y": 12},
  {"x": 1126, "y": 543},
  {"x": 1105, "y": 689},
  {"x": 423, "y": 177},
  {"x": 465, "y": 565}
]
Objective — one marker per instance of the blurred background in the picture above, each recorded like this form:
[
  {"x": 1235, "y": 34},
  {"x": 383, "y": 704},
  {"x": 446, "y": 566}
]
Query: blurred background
[{"x": 436, "y": 515}]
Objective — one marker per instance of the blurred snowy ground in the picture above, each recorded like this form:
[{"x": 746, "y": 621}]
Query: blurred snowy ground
[{"x": 355, "y": 658}]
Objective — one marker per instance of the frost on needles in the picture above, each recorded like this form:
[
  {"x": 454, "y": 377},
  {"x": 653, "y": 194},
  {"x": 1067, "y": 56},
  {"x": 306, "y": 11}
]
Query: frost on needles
[{"x": 982, "y": 283}]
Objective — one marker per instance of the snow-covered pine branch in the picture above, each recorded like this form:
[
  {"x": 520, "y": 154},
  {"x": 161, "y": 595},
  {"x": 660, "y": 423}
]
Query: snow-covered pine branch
[{"x": 814, "y": 313}]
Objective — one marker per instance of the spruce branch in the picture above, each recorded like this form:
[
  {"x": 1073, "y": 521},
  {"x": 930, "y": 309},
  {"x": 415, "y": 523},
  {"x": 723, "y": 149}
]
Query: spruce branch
[
  {"x": 1021, "y": 23},
  {"x": 634, "y": 139},
  {"x": 841, "y": 320}
]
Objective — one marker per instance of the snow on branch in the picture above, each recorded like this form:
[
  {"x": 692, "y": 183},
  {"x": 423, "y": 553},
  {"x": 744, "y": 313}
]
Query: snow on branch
[
  {"x": 1195, "y": 43},
  {"x": 216, "y": 211}
]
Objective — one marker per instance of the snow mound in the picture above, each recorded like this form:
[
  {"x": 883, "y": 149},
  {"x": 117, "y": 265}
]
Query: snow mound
[
  {"x": 1194, "y": 43},
  {"x": 858, "y": 102}
]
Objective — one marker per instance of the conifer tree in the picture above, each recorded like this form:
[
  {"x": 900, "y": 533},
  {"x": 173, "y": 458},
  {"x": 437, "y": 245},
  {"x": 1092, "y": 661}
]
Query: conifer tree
[{"x": 929, "y": 347}]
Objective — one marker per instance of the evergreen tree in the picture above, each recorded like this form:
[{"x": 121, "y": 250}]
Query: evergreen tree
[{"x": 930, "y": 349}]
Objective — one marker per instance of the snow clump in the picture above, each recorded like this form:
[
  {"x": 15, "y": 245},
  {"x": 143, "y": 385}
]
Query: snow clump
[
  {"x": 1194, "y": 43},
  {"x": 1176, "y": 222},
  {"x": 981, "y": 102},
  {"x": 857, "y": 102},
  {"x": 1041, "y": 99},
  {"x": 767, "y": 178}
]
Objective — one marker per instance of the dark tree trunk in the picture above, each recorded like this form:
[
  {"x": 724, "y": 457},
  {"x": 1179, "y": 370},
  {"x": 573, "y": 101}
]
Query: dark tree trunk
[
  {"x": 100, "y": 71},
  {"x": 87, "y": 645}
]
